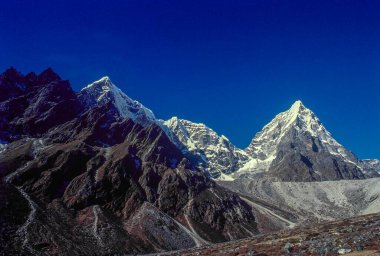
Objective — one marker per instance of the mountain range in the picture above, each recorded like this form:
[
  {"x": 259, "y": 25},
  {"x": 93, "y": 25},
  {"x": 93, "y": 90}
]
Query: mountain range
[
  {"x": 79, "y": 179},
  {"x": 293, "y": 146},
  {"x": 96, "y": 171}
]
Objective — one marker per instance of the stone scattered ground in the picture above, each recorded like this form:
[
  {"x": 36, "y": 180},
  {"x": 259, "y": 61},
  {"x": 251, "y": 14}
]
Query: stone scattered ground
[{"x": 354, "y": 236}]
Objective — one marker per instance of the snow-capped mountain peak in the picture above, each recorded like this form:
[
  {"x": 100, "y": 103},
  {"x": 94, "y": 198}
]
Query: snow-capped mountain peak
[
  {"x": 298, "y": 110},
  {"x": 305, "y": 118},
  {"x": 103, "y": 83},
  {"x": 298, "y": 131},
  {"x": 297, "y": 106},
  {"x": 296, "y": 116},
  {"x": 104, "y": 91}
]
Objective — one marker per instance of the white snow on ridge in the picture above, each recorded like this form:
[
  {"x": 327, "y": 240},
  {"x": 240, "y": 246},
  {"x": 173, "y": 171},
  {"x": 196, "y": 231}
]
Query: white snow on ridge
[
  {"x": 103, "y": 91},
  {"x": 216, "y": 154}
]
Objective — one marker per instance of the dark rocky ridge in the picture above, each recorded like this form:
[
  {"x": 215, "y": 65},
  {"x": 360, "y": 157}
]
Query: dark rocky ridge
[
  {"x": 89, "y": 183},
  {"x": 30, "y": 105}
]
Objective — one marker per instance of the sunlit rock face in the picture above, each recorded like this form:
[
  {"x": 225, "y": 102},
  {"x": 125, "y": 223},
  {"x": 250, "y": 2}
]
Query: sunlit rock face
[
  {"x": 210, "y": 152},
  {"x": 295, "y": 146}
]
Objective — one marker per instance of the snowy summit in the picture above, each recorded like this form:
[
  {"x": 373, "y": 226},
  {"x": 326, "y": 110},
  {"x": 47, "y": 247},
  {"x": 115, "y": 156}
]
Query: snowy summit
[
  {"x": 296, "y": 140},
  {"x": 104, "y": 91}
]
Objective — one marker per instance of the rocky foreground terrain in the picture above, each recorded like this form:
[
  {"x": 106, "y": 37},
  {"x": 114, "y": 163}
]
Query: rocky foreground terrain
[{"x": 354, "y": 236}]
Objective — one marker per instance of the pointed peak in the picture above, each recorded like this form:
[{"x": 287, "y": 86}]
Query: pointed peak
[
  {"x": 103, "y": 91},
  {"x": 298, "y": 108},
  {"x": 12, "y": 70},
  {"x": 11, "y": 73},
  {"x": 104, "y": 81},
  {"x": 297, "y": 105},
  {"x": 48, "y": 75}
]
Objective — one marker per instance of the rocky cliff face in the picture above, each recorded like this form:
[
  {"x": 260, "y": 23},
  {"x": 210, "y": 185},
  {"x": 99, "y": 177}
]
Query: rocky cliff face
[
  {"x": 211, "y": 152},
  {"x": 88, "y": 179},
  {"x": 295, "y": 146}
]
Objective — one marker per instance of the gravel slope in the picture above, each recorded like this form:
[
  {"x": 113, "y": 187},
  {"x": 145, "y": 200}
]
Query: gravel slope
[{"x": 314, "y": 201}]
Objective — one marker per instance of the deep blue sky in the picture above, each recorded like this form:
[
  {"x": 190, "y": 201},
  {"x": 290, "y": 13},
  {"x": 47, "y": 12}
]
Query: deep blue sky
[{"x": 232, "y": 64}]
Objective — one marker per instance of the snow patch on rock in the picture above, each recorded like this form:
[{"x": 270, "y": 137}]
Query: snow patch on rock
[{"x": 211, "y": 152}]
